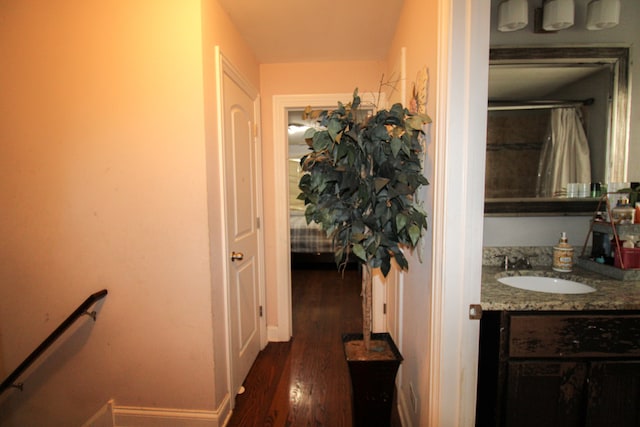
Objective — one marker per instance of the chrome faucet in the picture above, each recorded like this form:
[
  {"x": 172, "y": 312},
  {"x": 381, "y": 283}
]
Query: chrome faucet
[
  {"x": 515, "y": 264},
  {"x": 506, "y": 263},
  {"x": 522, "y": 264}
]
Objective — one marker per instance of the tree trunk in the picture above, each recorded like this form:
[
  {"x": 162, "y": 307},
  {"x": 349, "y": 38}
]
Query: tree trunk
[{"x": 367, "y": 290}]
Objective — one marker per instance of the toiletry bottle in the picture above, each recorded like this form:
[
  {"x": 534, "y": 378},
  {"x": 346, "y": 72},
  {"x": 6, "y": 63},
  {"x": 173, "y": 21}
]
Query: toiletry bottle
[
  {"x": 623, "y": 213},
  {"x": 563, "y": 255}
]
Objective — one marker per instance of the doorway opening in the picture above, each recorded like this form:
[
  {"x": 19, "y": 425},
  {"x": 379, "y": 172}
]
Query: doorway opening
[
  {"x": 283, "y": 105},
  {"x": 310, "y": 248}
]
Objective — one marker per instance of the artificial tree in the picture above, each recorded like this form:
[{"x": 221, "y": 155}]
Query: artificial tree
[{"x": 360, "y": 185}]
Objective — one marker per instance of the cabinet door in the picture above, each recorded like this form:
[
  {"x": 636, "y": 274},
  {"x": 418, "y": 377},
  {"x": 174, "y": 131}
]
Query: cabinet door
[
  {"x": 540, "y": 393},
  {"x": 574, "y": 335},
  {"x": 614, "y": 394}
]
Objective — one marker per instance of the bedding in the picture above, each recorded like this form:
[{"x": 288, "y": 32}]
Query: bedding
[
  {"x": 307, "y": 238},
  {"x": 310, "y": 246}
]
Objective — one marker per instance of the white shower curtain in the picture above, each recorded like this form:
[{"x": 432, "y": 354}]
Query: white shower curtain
[{"x": 565, "y": 154}]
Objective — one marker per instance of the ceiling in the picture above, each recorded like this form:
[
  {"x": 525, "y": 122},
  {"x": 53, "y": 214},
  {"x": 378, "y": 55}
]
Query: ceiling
[{"x": 282, "y": 31}]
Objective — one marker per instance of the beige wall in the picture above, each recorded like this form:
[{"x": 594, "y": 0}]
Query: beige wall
[
  {"x": 417, "y": 31},
  {"x": 109, "y": 160},
  {"x": 299, "y": 79},
  {"x": 310, "y": 78},
  {"x": 106, "y": 124},
  {"x": 219, "y": 31}
]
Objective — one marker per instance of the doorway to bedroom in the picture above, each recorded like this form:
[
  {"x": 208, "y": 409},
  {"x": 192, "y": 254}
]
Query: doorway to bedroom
[
  {"x": 310, "y": 248},
  {"x": 287, "y": 110}
]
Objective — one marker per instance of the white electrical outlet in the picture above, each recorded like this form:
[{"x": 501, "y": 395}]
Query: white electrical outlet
[{"x": 413, "y": 398}]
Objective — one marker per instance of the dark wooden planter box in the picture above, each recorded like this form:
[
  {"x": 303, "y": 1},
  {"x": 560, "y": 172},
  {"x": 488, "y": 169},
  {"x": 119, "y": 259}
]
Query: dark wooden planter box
[{"x": 373, "y": 384}]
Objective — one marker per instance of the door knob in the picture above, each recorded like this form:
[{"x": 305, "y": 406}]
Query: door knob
[{"x": 237, "y": 256}]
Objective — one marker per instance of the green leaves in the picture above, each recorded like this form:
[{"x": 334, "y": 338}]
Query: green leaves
[
  {"x": 401, "y": 221},
  {"x": 414, "y": 233},
  {"x": 322, "y": 141},
  {"x": 361, "y": 180},
  {"x": 359, "y": 251},
  {"x": 334, "y": 128},
  {"x": 308, "y": 134}
]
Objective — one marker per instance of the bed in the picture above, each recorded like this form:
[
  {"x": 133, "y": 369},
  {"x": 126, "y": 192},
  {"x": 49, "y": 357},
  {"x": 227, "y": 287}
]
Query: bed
[
  {"x": 309, "y": 243},
  {"x": 310, "y": 246}
]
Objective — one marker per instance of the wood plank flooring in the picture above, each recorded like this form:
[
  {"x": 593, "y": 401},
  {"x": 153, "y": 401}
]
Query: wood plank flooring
[{"x": 305, "y": 382}]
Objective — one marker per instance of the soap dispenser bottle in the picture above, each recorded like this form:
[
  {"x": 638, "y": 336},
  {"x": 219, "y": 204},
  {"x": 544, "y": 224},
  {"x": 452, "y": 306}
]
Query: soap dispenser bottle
[{"x": 563, "y": 255}]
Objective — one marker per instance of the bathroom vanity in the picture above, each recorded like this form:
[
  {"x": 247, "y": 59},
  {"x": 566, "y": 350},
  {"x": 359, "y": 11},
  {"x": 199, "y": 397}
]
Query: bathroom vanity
[{"x": 549, "y": 359}]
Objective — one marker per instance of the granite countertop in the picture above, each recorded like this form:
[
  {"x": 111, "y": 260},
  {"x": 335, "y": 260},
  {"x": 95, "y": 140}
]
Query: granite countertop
[{"x": 610, "y": 294}]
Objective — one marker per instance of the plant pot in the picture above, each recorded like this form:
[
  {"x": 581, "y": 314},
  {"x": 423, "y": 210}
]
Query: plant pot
[{"x": 373, "y": 376}]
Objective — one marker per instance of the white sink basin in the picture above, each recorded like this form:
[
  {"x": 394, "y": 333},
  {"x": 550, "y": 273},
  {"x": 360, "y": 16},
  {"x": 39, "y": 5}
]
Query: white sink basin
[{"x": 546, "y": 284}]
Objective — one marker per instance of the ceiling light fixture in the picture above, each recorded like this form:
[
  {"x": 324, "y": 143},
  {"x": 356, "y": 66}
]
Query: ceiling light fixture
[
  {"x": 513, "y": 15},
  {"x": 602, "y": 14},
  {"x": 557, "y": 15}
]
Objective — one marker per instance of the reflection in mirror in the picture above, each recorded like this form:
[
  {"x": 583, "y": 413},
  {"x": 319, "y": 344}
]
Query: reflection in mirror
[{"x": 556, "y": 116}]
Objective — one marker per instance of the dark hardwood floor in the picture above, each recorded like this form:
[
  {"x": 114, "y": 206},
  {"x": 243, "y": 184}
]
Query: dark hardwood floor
[{"x": 305, "y": 382}]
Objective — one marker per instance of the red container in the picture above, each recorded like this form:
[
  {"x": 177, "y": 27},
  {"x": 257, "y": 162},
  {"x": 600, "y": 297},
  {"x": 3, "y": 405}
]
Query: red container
[{"x": 630, "y": 258}]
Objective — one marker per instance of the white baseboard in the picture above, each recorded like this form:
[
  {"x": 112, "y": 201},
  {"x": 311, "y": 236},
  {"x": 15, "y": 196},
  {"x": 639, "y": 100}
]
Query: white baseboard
[
  {"x": 112, "y": 415},
  {"x": 274, "y": 334},
  {"x": 102, "y": 418},
  {"x": 127, "y": 416}
]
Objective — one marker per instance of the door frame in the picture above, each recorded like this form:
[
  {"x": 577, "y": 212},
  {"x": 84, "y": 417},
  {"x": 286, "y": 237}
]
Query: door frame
[
  {"x": 225, "y": 67},
  {"x": 460, "y": 144},
  {"x": 280, "y": 107}
]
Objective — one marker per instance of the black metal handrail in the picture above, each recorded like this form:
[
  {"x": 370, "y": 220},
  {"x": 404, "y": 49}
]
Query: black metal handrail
[{"x": 80, "y": 311}]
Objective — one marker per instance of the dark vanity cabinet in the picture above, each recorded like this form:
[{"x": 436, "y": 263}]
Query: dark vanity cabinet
[{"x": 559, "y": 369}]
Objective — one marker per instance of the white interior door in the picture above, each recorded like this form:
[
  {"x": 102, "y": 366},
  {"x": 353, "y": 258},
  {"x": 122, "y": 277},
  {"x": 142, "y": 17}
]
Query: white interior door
[{"x": 242, "y": 196}]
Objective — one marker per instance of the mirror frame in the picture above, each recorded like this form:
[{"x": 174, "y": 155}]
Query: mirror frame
[{"x": 618, "y": 123}]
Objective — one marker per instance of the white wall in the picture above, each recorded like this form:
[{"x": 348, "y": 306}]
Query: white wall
[
  {"x": 534, "y": 231},
  {"x": 543, "y": 231}
]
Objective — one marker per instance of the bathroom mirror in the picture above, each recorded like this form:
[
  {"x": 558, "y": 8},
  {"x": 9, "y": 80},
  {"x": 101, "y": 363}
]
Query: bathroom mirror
[{"x": 525, "y": 86}]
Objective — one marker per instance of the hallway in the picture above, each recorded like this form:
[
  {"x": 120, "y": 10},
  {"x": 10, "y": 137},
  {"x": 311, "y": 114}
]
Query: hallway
[{"x": 305, "y": 382}]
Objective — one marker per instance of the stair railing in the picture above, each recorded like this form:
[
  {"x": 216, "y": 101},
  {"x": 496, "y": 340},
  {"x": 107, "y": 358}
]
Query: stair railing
[{"x": 82, "y": 309}]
